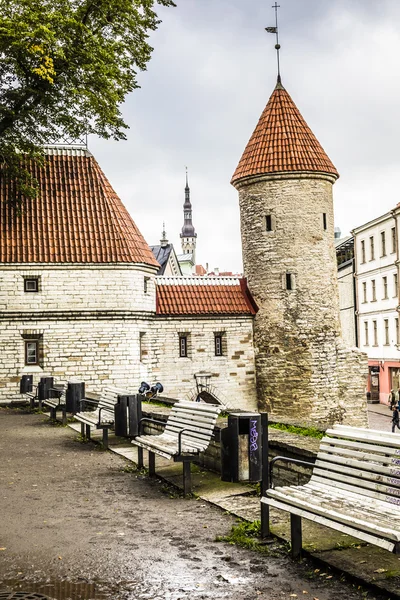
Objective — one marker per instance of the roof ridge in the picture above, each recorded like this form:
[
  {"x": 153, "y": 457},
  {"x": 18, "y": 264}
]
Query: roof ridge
[{"x": 198, "y": 280}]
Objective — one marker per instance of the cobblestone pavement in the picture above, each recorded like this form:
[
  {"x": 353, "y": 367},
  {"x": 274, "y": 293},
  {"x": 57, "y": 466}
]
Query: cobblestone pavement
[{"x": 380, "y": 417}]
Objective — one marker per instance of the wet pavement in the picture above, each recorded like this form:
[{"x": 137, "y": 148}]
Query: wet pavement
[{"x": 80, "y": 523}]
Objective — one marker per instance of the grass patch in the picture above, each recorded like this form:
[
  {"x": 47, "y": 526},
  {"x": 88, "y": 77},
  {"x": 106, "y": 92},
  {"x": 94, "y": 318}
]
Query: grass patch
[
  {"x": 247, "y": 535},
  {"x": 306, "y": 431},
  {"x": 156, "y": 403}
]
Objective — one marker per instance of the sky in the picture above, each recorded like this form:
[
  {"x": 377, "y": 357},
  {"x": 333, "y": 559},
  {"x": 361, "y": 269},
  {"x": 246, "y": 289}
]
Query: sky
[{"x": 212, "y": 72}]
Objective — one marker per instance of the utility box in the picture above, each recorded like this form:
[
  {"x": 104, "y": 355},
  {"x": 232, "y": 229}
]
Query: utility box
[
  {"x": 73, "y": 396},
  {"x": 26, "y": 384},
  {"x": 241, "y": 448},
  {"x": 127, "y": 415}
]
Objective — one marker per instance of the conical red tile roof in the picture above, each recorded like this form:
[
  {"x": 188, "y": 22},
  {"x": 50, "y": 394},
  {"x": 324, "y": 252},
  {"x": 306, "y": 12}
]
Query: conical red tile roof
[
  {"x": 282, "y": 142},
  {"x": 76, "y": 218}
]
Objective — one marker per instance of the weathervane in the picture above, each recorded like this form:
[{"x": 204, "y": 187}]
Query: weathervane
[{"x": 275, "y": 30}]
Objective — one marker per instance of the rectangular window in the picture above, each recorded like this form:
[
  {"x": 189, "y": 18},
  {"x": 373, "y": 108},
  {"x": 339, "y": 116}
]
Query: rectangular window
[
  {"x": 183, "y": 346},
  {"x": 218, "y": 344},
  {"x": 395, "y": 285},
  {"x": 268, "y": 223},
  {"x": 383, "y": 243},
  {"x": 373, "y": 284},
  {"x": 363, "y": 251},
  {"x": 393, "y": 240},
  {"x": 372, "y": 247},
  {"x": 375, "y": 326},
  {"x": 386, "y": 322},
  {"x": 385, "y": 288},
  {"x": 397, "y": 331},
  {"x": 289, "y": 281},
  {"x": 31, "y": 284},
  {"x": 142, "y": 346},
  {"x": 146, "y": 284},
  {"x": 32, "y": 352},
  {"x": 324, "y": 221},
  {"x": 366, "y": 333},
  {"x": 364, "y": 287}
]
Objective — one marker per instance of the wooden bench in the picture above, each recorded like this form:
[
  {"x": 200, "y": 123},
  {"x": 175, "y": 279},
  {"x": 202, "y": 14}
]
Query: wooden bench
[
  {"x": 354, "y": 488},
  {"x": 188, "y": 431},
  {"x": 57, "y": 401},
  {"x": 102, "y": 417}
]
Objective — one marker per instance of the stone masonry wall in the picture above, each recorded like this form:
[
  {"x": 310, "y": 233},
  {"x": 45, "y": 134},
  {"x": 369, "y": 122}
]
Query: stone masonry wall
[
  {"x": 232, "y": 375},
  {"x": 302, "y": 367}
]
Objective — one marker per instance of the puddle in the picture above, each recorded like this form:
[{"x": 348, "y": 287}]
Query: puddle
[{"x": 55, "y": 590}]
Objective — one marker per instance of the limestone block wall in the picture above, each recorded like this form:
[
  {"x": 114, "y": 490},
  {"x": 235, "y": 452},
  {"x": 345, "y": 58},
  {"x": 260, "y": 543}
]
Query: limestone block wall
[
  {"x": 77, "y": 288},
  {"x": 101, "y": 352},
  {"x": 297, "y": 331},
  {"x": 233, "y": 378}
]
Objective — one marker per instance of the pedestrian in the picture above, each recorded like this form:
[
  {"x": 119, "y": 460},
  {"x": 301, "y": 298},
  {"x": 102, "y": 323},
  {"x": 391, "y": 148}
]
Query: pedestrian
[
  {"x": 392, "y": 399},
  {"x": 395, "y": 419}
]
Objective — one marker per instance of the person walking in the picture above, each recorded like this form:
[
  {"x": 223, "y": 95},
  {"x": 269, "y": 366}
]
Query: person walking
[
  {"x": 392, "y": 399},
  {"x": 395, "y": 418}
]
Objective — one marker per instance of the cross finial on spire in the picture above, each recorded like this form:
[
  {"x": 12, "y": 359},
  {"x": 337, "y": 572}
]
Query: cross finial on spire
[
  {"x": 164, "y": 240},
  {"x": 187, "y": 184},
  {"x": 276, "y": 31}
]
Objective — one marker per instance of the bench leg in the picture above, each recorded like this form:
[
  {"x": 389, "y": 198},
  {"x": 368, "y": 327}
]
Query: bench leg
[
  {"x": 83, "y": 430},
  {"x": 39, "y": 404},
  {"x": 105, "y": 438},
  {"x": 296, "y": 536},
  {"x": 53, "y": 416},
  {"x": 32, "y": 403},
  {"x": 397, "y": 548},
  {"x": 140, "y": 462},
  {"x": 187, "y": 478},
  {"x": 152, "y": 463},
  {"x": 64, "y": 415},
  {"x": 87, "y": 432}
]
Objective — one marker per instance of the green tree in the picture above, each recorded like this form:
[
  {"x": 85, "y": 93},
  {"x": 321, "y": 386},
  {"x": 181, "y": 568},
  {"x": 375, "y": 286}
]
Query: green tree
[{"x": 65, "y": 68}]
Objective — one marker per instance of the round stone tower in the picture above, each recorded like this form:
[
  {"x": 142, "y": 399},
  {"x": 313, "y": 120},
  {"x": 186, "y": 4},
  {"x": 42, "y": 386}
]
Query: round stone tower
[{"x": 284, "y": 180}]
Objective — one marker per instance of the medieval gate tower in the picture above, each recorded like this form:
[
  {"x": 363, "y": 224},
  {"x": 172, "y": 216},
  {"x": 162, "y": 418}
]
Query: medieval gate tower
[{"x": 284, "y": 180}]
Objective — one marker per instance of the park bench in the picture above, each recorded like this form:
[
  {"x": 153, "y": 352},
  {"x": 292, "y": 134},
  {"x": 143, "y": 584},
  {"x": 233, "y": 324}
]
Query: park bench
[
  {"x": 187, "y": 432},
  {"x": 354, "y": 488},
  {"x": 57, "y": 401},
  {"x": 102, "y": 414}
]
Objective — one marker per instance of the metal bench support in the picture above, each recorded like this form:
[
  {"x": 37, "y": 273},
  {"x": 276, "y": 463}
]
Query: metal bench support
[
  {"x": 105, "y": 438},
  {"x": 140, "y": 462},
  {"x": 187, "y": 477},
  {"x": 152, "y": 463},
  {"x": 296, "y": 536},
  {"x": 82, "y": 430}
]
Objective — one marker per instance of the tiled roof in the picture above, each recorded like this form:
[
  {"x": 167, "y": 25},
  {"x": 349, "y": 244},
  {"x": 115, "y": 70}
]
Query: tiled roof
[
  {"x": 76, "y": 217},
  {"x": 282, "y": 142},
  {"x": 203, "y": 295}
]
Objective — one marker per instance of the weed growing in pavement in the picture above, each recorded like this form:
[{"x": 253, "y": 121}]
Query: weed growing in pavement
[
  {"x": 306, "y": 431},
  {"x": 130, "y": 468},
  {"x": 247, "y": 535}
]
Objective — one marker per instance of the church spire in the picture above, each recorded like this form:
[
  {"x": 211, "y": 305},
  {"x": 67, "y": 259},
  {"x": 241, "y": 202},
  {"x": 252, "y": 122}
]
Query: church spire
[
  {"x": 164, "y": 240},
  {"x": 188, "y": 234}
]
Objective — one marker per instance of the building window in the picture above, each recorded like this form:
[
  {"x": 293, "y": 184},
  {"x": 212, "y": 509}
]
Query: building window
[
  {"x": 268, "y": 223},
  {"x": 143, "y": 352},
  {"x": 386, "y": 322},
  {"x": 366, "y": 333},
  {"x": 364, "y": 288},
  {"x": 289, "y": 281},
  {"x": 375, "y": 326},
  {"x": 383, "y": 243},
  {"x": 31, "y": 352},
  {"x": 393, "y": 240},
  {"x": 31, "y": 284},
  {"x": 183, "y": 345},
  {"x": 373, "y": 290},
  {"x": 146, "y": 285},
  {"x": 395, "y": 285},
  {"x": 385, "y": 288},
  {"x": 372, "y": 247},
  {"x": 324, "y": 221},
  {"x": 397, "y": 331},
  {"x": 363, "y": 251}
]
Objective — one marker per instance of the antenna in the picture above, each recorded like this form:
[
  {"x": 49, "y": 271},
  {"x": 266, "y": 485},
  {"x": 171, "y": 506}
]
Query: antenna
[{"x": 276, "y": 31}]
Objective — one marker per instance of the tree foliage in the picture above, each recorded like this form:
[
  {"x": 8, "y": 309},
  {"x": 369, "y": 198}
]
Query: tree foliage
[{"x": 65, "y": 68}]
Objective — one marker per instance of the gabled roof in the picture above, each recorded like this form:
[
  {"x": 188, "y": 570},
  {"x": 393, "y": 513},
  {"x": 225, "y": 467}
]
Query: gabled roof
[
  {"x": 282, "y": 142},
  {"x": 203, "y": 296},
  {"x": 163, "y": 254},
  {"x": 76, "y": 218}
]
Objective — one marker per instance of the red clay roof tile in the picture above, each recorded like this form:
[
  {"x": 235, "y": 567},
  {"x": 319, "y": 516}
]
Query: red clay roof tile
[
  {"x": 76, "y": 218},
  {"x": 282, "y": 142}
]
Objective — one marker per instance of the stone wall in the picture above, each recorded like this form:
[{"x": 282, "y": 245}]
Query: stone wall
[
  {"x": 301, "y": 365},
  {"x": 232, "y": 380}
]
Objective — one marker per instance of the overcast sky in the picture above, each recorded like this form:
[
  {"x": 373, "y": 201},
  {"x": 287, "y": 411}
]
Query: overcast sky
[{"x": 212, "y": 72}]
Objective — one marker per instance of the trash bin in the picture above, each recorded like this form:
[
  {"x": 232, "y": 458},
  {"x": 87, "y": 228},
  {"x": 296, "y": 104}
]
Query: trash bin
[
  {"x": 241, "y": 457},
  {"x": 127, "y": 415},
  {"x": 45, "y": 384},
  {"x": 26, "y": 384},
  {"x": 73, "y": 396}
]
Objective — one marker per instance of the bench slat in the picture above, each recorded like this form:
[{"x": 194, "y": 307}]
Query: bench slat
[
  {"x": 355, "y": 481},
  {"x": 365, "y": 469},
  {"x": 383, "y": 459},
  {"x": 361, "y": 446},
  {"x": 362, "y": 492},
  {"x": 366, "y": 435}
]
